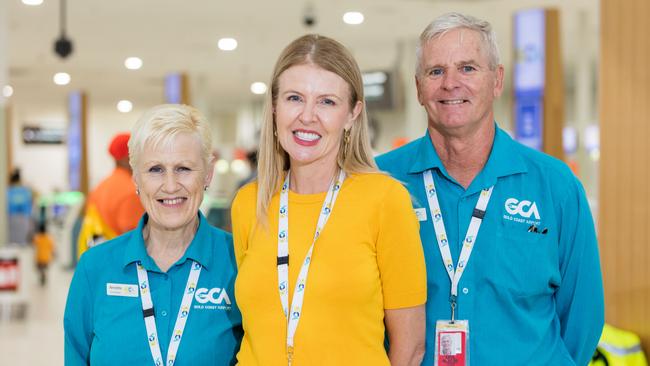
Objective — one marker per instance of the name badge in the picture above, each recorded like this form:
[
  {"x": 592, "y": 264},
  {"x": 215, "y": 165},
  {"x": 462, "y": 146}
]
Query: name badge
[
  {"x": 121, "y": 289},
  {"x": 421, "y": 213},
  {"x": 452, "y": 343}
]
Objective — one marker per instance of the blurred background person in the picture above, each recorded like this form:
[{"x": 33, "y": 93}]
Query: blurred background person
[
  {"x": 43, "y": 247},
  {"x": 181, "y": 268},
  {"x": 251, "y": 158},
  {"x": 19, "y": 207},
  {"x": 113, "y": 207},
  {"x": 365, "y": 264}
]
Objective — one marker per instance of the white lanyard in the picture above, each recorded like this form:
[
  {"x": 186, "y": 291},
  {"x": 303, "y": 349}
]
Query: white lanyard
[
  {"x": 181, "y": 319},
  {"x": 283, "y": 257},
  {"x": 441, "y": 234}
]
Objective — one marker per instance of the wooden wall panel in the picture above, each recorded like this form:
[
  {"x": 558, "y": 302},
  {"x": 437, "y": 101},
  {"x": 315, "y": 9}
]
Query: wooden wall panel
[
  {"x": 624, "y": 217},
  {"x": 553, "y": 87}
]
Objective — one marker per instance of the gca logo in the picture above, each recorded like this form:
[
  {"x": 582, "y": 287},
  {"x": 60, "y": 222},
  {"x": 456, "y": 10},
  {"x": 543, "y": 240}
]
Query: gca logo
[
  {"x": 214, "y": 295},
  {"x": 523, "y": 208}
]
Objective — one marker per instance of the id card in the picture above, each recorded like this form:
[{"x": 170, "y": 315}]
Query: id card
[{"x": 452, "y": 343}]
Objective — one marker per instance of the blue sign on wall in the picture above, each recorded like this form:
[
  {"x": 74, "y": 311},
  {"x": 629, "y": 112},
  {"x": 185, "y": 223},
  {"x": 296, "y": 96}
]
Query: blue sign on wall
[
  {"x": 75, "y": 153},
  {"x": 529, "y": 76},
  {"x": 529, "y": 115},
  {"x": 174, "y": 88}
]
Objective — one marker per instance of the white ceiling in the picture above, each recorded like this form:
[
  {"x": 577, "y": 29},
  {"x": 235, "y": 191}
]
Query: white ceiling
[{"x": 174, "y": 35}]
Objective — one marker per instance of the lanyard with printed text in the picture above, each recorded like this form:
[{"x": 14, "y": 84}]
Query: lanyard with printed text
[
  {"x": 181, "y": 319},
  {"x": 441, "y": 234},
  {"x": 283, "y": 257}
]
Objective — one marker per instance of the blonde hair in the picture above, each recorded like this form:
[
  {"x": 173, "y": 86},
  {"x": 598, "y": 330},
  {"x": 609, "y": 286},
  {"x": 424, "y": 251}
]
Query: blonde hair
[
  {"x": 353, "y": 157},
  {"x": 160, "y": 124}
]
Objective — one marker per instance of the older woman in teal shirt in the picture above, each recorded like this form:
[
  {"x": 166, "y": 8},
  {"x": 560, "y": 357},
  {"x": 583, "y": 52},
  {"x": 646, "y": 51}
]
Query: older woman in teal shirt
[{"x": 161, "y": 294}]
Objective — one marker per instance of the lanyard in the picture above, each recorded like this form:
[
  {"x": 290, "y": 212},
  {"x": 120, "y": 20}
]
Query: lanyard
[
  {"x": 441, "y": 234},
  {"x": 181, "y": 319},
  {"x": 283, "y": 257}
]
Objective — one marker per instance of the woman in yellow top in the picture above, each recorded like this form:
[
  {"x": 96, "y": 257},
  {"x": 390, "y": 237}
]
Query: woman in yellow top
[{"x": 327, "y": 247}]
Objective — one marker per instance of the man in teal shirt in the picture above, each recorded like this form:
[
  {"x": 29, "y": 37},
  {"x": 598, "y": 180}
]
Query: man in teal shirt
[
  {"x": 104, "y": 321},
  {"x": 525, "y": 274}
]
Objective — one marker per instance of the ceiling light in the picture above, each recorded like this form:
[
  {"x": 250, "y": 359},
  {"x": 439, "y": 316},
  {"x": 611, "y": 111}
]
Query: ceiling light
[
  {"x": 133, "y": 63},
  {"x": 238, "y": 166},
  {"x": 7, "y": 91},
  {"x": 61, "y": 78},
  {"x": 124, "y": 106},
  {"x": 227, "y": 44},
  {"x": 33, "y": 2},
  {"x": 222, "y": 166},
  {"x": 353, "y": 17},
  {"x": 258, "y": 87}
]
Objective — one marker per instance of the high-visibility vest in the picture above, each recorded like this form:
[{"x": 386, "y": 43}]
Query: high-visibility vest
[
  {"x": 618, "y": 348},
  {"x": 93, "y": 231}
]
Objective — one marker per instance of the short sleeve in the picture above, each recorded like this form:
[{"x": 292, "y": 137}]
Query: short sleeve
[{"x": 399, "y": 251}]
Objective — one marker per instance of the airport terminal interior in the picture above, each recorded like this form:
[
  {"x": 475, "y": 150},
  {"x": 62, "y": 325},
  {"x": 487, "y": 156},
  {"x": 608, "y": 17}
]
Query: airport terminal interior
[{"x": 62, "y": 104}]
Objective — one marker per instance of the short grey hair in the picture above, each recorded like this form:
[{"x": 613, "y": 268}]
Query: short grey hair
[
  {"x": 451, "y": 21},
  {"x": 160, "y": 124}
]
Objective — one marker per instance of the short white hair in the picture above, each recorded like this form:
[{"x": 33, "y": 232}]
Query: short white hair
[
  {"x": 160, "y": 124},
  {"x": 451, "y": 21}
]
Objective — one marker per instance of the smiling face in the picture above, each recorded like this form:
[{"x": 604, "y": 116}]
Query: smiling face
[
  {"x": 456, "y": 86},
  {"x": 171, "y": 177},
  {"x": 311, "y": 111}
]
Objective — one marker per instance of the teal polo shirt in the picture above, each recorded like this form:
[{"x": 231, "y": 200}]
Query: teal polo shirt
[
  {"x": 530, "y": 298},
  {"x": 105, "y": 329}
]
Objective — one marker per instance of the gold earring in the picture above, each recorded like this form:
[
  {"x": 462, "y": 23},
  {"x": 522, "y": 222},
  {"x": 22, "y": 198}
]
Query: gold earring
[
  {"x": 277, "y": 140},
  {"x": 346, "y": 143}
]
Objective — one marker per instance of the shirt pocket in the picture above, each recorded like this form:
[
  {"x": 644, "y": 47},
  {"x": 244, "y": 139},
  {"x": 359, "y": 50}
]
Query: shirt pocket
[
  {"x": 525, "y": 263},
  {"x": 119, "y": 325}
]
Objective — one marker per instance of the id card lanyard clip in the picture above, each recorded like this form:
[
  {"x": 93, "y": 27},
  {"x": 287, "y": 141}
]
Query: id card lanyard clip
[
  {"x": 441, "y": 235},
  {"x": 452, "y": 302},
  {"x": 293, "y": 315}
]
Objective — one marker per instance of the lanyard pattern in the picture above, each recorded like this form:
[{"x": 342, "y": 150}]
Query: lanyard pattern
[
  {"x": 181, "y": 319},
  {"x": 293, "y": 317},
  {"x": 441, "y": 233}
]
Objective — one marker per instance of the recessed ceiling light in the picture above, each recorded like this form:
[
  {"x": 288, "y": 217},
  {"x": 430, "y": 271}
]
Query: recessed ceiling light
[
  {"x": 353, "y": 17},
  {"x": 124, "y": 106},
  {"x": 227, "y": 44},
  {"x": 61, "y": 78},
  {"x": 7, "y": 91},
  {"x": 238, "y": 166},
  {"x": 32, "y": 2},
  {"x": 222, "y": 166},
  {"x": 258, "y": 87},
  {"x": 133, "y": 63}
]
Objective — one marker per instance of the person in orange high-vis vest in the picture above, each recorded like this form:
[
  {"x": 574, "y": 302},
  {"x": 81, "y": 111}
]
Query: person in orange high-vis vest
[{"x": 113, "y": 208}]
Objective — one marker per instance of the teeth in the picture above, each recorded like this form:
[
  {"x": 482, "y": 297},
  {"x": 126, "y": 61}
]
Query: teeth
[
  {"x": 307, "y": 136},
  {"x": 455, "y": 101},
  {"x": 175, "y": 201}
]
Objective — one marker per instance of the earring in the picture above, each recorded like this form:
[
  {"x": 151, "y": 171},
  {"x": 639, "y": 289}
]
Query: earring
[
  {"x": 137, "y": 191},
  {"x": 346, "y": 143},
  {"x": 205, "y": 188},
  {"x": 277, "y": 140}
]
